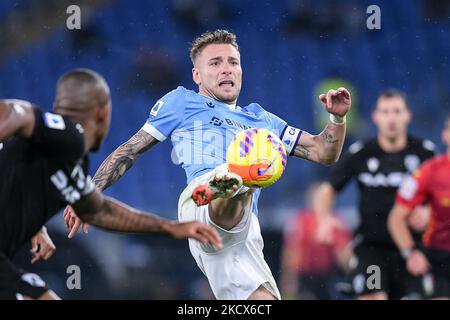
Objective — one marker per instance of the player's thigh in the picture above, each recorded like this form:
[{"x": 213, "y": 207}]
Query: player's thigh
[
  {"x": 17, "y": 285},
  {"x": 262, "y": 294},
  {"x": 369, "y": 274}
]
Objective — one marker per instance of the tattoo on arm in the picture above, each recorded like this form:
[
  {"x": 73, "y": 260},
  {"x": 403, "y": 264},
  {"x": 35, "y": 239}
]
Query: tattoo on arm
[
  {"x": 122, "y": 159},
  {"x": 119, "y": 217},
  {"x": 329, "y": 137},
  {"x": 305, "y": 153}
]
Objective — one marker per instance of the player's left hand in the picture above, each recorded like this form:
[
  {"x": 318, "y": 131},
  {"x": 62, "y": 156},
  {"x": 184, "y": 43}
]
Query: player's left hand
[
  {"x": 417, "y": 264},
  {"x": 337, "y": 102},
  {"x": 42, "y": 247},
  {"x": 196, "y": 230}
]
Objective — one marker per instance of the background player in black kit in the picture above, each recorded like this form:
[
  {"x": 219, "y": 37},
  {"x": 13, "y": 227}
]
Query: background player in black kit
[
  {"x": 379, "y": 165},
  {"x": 44, "y": 167}
]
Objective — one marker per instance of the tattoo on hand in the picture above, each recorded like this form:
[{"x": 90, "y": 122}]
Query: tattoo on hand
[
  {"x": 305, "y": 152},
  {"x": 329, "y": 138}
]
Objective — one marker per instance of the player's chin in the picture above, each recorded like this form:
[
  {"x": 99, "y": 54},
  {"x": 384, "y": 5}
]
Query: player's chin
[{"x": 228, "y": 96}]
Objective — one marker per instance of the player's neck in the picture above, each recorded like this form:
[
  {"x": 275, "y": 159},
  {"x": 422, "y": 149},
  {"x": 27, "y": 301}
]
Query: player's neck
[{"x": 393, "y": 145}]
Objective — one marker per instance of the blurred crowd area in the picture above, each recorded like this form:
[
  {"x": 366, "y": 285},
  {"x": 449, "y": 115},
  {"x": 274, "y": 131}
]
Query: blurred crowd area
[{"x": 291, "y": 51}]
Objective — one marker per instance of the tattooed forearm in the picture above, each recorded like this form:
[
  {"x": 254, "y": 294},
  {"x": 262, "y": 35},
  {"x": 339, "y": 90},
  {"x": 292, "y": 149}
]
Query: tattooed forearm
[
  {"x": 329, "y": 137},
  {"x": 305, "y": 153},
  {"x": 117, "y": 216},
  {"x": 122, "y": 159}
]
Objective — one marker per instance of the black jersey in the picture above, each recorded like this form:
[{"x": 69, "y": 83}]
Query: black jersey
[
  {"x": 379, "y": 174},
  {"x": 39, "y": 176}
]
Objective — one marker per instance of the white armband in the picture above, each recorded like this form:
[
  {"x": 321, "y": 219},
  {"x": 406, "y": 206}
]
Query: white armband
[
  {"x": 290, "y": 137},
  {"x": 337, "y": 119}
]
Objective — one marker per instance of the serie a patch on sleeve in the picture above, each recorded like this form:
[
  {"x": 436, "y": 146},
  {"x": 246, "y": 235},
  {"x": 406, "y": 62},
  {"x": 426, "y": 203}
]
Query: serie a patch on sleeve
[{"x": 54, "y": 121}]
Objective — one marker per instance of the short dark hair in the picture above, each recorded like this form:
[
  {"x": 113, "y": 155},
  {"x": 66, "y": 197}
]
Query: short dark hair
[
  {"x": 393, "y": 93},
  {"x": 218, "y": 36},
  {"x": 81, "y": 89}
]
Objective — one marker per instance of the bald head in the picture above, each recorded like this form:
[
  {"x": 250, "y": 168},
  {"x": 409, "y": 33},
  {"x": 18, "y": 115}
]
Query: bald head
[
  {"x": 82, "y": 95},
  {"x": 81, "y": 91}
]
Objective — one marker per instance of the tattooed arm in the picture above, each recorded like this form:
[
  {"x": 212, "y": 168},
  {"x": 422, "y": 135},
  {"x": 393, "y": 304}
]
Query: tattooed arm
[
  {"x": 122, "y": 159},
  {"x": 110, "y": 214},
  {"x": 326, "y": 147}
]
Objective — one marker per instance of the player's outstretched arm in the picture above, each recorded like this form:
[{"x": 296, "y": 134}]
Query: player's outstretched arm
[
  {"x": 110, "y": 214},
  {"x": 416, "y": 262},
  {"x": 16, "y": 117},
  {"x": 326, "y": 147},
  {"x": 323, "y": 202},
  {"x": 122, "y": 159}
]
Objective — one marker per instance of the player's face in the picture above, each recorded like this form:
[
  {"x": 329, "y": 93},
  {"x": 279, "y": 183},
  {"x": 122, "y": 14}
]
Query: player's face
[
  {"x": 392, "y": 117},
  {"x": 103, "y": 121},
  {"x": 218, "y": 72}
]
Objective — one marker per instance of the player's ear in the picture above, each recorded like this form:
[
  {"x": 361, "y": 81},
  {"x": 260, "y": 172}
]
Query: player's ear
[
  {"x": 374, "y": 116},
  {"x": 445, "y": 136},
  {"x": 196, "y": 76},
  {"x": 102, "y": 113},
  {"x": 409, "y": 115}
]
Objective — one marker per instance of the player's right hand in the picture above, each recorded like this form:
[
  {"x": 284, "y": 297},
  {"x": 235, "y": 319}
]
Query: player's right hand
[
  {"x": 417, "y": 263},
  {"x": 325, "y": 229},
  {"x": 195, "y": 230},
  {"x": 73, "y": 223}
]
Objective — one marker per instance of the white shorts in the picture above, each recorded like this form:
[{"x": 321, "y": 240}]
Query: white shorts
[{"x": 238, "y": 269}]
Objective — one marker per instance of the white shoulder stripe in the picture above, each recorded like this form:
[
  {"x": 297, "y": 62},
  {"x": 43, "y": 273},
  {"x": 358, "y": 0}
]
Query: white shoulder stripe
[{"x": 153, "y": 131}]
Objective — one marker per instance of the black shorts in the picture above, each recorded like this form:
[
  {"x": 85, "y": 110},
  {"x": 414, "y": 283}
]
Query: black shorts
[
  {"x": 380, "y": 268},
  {"x": 17, "y": 285},
  {"x": 438, "y": 280}
]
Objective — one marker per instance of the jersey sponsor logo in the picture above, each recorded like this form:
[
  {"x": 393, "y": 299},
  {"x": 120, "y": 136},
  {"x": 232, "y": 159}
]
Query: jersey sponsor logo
[
  {"x": 72, "y": 193},
  {"x": 158, "y": 105},
  {"x": 373, "y": 164},
  {"x": 54, "y": 121},
  {"x": 393, "y": 179},
  {"x": 218, "y": 122},
  {"x": 408, "y": 188},
  {"x": 412, "y": 162}
]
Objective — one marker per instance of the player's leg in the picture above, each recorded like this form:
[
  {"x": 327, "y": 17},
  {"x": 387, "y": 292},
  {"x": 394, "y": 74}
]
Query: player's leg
[
  {"x": 238, "y": 270},
  {"x": 227, "y": 213},
  {"x": 369, "y": 283},
  {"x": 262, "y": 294},
  {"x": 226, "y": 196},
  {"x": 17, "y": 285}
]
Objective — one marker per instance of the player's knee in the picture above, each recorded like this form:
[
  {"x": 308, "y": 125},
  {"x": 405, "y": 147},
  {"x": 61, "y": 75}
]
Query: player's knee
[{"x": 262, "y": 294}]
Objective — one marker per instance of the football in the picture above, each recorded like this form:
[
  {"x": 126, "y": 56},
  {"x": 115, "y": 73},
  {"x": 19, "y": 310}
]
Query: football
[{"x": 258, "y": 156}]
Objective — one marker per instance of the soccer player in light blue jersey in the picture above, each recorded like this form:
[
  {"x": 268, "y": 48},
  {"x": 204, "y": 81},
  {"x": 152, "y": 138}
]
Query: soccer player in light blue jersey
[{"x": 201, "y": 125}]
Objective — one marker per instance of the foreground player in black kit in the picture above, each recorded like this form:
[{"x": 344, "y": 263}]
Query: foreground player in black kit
[
  {"x": 44, "y": 167},
  {"x": 379, "y": 165}
]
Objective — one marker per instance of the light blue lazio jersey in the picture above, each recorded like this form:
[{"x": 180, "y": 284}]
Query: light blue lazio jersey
[{"x": 201, "y": 128}]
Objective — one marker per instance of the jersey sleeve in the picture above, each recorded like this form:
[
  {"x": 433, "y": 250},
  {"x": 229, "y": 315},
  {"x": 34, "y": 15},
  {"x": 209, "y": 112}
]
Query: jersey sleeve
[
  {"x": 72, "y": 181},
  {"x": 57, "y": 137},
  {"x": 414, "y": 189},
  {"x": 344, "y": 170},
  {"x": 166, "y": 115}
]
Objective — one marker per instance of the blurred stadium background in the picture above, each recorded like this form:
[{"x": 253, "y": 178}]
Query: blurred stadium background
[{"x": 291, "y": 50}]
